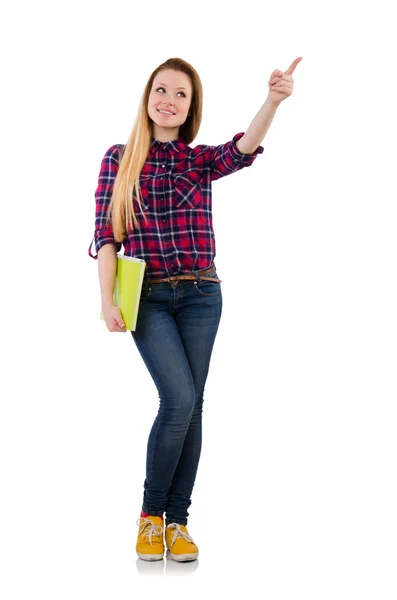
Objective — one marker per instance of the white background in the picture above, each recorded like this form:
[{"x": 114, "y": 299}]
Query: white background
[{"x": 296, "y": 490}]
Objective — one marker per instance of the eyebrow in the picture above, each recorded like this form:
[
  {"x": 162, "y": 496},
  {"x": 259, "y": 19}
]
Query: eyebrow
[{"x": 179, "y": 88}]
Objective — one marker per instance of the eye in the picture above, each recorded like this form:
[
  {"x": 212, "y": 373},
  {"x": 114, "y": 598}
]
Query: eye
[{"x": 161, "y": 88}]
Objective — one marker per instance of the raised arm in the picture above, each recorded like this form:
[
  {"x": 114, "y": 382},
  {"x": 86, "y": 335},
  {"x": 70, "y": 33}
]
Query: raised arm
[{"x": 280, "y": 88}]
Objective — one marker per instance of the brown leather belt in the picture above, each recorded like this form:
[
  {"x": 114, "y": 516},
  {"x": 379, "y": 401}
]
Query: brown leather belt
[{"x": 189, "y": 277}]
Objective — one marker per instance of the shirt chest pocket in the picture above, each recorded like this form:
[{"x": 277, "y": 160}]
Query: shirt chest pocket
[
  {"x": 145, "y": 185},
  {"x": 188, "y": 189}
]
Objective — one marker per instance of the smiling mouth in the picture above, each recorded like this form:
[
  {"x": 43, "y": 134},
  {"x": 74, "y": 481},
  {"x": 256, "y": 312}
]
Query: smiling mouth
[{"x": 170, "y": 114}]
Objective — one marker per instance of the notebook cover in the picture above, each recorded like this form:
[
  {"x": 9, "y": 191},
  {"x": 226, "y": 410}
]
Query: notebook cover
[{"x": 127, "y": 288}]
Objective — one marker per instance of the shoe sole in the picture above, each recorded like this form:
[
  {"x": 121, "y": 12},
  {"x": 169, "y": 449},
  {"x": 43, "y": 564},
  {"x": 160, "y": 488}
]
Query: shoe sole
[
  {"x": 184, "y": 557},
  {"x": 150, "y": 557}
]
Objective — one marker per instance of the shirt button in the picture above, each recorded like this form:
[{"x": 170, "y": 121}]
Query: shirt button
[
  {"x": 163, "y": 220},
  {"x": 162, "y": 199},
  {"x": 163, "y": 166}
]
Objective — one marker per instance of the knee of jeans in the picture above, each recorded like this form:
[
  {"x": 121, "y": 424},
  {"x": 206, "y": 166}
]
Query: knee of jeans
[
  {"x": 198, "y": 404},
  {"x": 179, "y": 408}
]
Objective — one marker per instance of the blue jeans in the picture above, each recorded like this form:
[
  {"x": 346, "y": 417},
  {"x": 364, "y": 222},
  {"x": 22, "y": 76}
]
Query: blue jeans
[{"x": 175, "y": 333}]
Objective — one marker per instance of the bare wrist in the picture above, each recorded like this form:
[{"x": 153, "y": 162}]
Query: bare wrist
[
  {"x": 272, "y": 102},
  {"x": 107, "y": 304}
]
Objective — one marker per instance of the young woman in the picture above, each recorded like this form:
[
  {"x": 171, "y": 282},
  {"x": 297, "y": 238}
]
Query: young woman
[{"x": 154, "y": 197}]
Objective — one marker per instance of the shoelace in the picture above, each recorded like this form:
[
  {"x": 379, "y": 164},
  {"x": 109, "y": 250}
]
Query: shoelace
[
  {"x": 179, "y": 533},
  {"x": 149, "y": 529}
]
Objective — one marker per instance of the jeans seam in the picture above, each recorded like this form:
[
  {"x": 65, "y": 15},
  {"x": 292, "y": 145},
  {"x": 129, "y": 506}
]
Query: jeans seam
[
  {"x": 158, "y": 421},
  {"x": 153, "y": 452}
]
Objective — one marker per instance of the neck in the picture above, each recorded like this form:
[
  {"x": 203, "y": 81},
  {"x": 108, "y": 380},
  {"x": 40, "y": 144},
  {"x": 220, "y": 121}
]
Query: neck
[
  {"x": 166, "y": 135},
  {"x": 164, "y": 139}
]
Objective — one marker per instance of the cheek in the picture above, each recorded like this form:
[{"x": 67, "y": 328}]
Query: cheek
[{"x": 152, "y": 100}]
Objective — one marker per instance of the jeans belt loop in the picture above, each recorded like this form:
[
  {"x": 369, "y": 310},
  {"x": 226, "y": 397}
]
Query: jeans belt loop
[{"x": 197, "y": 276}]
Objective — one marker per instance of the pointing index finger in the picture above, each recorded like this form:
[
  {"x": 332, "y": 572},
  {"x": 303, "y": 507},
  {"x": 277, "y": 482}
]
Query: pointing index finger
[{"x": 293, "y": 65}]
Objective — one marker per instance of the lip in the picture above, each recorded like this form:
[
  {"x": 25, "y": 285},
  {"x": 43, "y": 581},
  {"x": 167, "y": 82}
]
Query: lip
[{"x": 172, "y": 115}]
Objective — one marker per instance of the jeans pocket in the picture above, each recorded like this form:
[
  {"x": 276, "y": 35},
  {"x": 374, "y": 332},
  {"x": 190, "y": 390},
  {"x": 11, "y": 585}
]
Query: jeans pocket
[
  {"x": 146, "y": 290},
  {"x": 209, "y": 288}
]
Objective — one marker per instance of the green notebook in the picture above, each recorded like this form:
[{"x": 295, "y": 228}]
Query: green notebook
[{"x": 127, "y": 288}]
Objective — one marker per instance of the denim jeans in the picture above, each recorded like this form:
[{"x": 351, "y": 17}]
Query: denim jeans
[{"x": 175, "y": 334}]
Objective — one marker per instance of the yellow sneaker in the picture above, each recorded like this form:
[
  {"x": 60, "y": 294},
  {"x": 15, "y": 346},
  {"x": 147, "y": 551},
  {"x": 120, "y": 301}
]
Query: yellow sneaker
[
  {"x": 179, "y": 543},
  {"x": 150, "y": 543}
]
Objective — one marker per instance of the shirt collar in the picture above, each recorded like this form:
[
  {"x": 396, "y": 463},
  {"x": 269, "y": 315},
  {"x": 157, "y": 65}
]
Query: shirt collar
[{"x": 172, "y": 147}]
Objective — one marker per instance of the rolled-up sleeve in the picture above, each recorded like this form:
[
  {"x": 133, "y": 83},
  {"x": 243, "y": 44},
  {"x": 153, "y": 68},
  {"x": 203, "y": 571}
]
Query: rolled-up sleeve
[
  {"x": 227, "y": 158},
  {"x": 103, "y": 233}
]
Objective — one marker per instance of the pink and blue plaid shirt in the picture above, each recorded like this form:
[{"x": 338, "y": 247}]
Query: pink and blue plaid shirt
[{"x": 178, "y": 236}]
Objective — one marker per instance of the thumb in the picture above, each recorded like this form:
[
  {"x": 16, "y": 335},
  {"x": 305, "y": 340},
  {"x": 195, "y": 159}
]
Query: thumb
[{"x": 119, "y": 321}]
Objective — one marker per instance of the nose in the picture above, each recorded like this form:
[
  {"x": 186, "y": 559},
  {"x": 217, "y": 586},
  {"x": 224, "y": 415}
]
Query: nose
[{"x": 168, "y": 100}]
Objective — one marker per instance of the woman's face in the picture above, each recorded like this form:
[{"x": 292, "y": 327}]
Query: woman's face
[{"x": 172, "y": 93}]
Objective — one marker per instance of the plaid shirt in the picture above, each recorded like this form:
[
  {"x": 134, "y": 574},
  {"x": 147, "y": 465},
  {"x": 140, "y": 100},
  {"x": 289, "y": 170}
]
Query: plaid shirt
[{"x": 175, "y": 181}]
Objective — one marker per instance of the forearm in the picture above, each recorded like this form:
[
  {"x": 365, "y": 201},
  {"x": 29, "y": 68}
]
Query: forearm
[
  {"x": 258, "y": 128},
  {"x": 107, "y": 266}
]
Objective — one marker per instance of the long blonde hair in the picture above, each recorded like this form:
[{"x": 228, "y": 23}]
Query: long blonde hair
[{"x": 121, "y": 212}]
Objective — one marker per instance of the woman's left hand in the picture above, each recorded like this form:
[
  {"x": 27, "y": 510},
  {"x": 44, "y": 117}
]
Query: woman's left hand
[{"x": 281, "y": 84}]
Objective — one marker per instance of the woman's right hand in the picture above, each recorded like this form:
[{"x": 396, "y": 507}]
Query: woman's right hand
[{"x": 113, "y": 319}]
